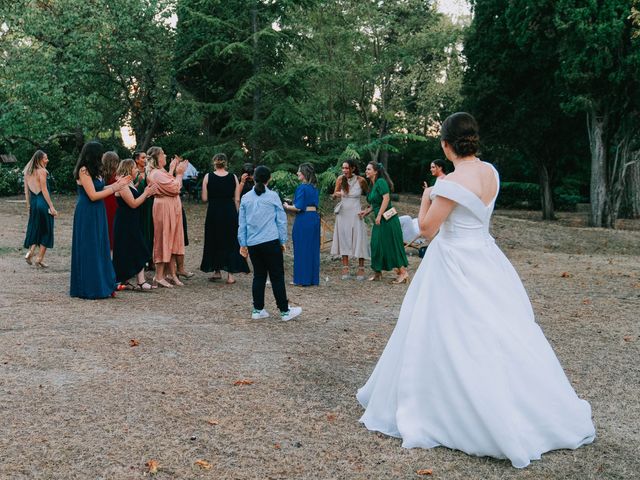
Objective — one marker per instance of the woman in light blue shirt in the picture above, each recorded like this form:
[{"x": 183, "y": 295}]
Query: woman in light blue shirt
[{"x": 262, "y": 234}]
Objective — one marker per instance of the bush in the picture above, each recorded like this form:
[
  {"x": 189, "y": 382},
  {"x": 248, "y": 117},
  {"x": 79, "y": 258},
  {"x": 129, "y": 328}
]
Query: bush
[
  {"x": 284, "y": 183},
  {"x": 327, "y": 180},
  {"x": 10, "y": 180},
  {"x": 61, "y": 170},
  {"x": 519, "y": 195}
]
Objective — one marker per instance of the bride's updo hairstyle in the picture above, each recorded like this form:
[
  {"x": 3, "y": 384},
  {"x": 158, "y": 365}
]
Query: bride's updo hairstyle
[{"x": 460, "y": 131}]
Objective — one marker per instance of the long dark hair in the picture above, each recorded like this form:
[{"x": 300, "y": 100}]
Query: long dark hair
[
  {"x": 309, "y": 173},
  {"x": 344, "y": 182},
  {"x": 90, "y": 158},
  {"x": 381, "y": 172},
  {"x": 440, "y": 163},
  {"x": 261, "y": 176},
  {"x": 460, "y": 130}
]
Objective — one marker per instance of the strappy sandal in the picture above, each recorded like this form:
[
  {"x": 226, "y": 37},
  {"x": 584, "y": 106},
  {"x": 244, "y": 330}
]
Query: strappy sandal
[
  {"x": 360, "y": 274},
  {"x": 174, "y": 281},
  {"x": 185, "y": 274},
  {"x": 401, "y": 279},
  {"x": 27, "y": 257},
  {"x": 376, "y": 277},
  {"x": 145, "y": 287},
  {"x": 162, "y": 283},
  {"x": 40, "y": 264},
  {"x": 346, "y": 273}
]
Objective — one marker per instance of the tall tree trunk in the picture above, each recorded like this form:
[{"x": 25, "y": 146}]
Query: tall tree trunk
[
  {"x": 546, "y": 194},
  {"x": 618, "y": 175},
  {"x": 78, "y": 135},
  {"x": 257, "y": 94},
  {"x": 633, "y": 186},
  {"x": 598, "y": 190}
]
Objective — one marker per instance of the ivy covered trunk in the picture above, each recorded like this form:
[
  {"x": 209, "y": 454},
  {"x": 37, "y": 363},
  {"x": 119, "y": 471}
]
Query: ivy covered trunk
[{"x": 546, "y": 193}]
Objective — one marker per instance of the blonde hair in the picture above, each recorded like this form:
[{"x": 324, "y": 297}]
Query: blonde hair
[
  {"x": 219, "y": 160},
  {"x": 152, "y": 157},
  {"x": 34, "y": 163},
  {"x": 125, "y": 167},
  {"x": 110, "y": 161}
]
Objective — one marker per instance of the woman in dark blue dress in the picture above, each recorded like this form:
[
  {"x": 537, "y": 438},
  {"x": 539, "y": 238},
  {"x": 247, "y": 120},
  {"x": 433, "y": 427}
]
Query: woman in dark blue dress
[
  {"x": 130, "y": 252},
  {"x": 92, "y": 274},
  {"x": 306, "y": 229},
  {"x": 40, "y": 206}
]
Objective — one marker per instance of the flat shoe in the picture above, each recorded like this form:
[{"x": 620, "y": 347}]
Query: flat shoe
[{"x": 27, "y": 258}]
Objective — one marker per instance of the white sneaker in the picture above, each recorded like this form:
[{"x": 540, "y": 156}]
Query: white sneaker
[
  {"x": 292, "y": 313},
  {"x": 259, "y": 314}
]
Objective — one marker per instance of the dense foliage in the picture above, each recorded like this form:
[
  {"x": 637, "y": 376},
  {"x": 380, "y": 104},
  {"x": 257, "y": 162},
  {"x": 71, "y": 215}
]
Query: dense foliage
[{"x": 554, "y": 84}]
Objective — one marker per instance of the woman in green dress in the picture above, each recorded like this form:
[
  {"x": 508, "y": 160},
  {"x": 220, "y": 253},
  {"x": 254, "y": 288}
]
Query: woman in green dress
[{"x": 387, "y": 246}]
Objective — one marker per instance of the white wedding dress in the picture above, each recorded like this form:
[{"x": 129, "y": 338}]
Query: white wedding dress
[{"x": 467, "y": 367}]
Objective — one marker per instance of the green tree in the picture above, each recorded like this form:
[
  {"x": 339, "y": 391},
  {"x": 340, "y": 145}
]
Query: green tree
[
  {"x": 73, "y": 68},
  {"x": 599, "y": 64},
  {"x": 510, "y": 85}
]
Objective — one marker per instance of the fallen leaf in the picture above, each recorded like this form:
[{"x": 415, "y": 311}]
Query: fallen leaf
[
  {"x": 627, "y": 338},
  {"x": 134, "y": 343},
  {"x": 152, "y": 465},
  {"x": 212, "y": 422},
  {"x": 565, "y": 275},
  {"x": 243, "y": 382},
  {"x": 424, "y": 471},
  {"x": 331, "y": 417},
  {"x": 586, "y": 301},
  {"x": 204, "y": 464},
  {"x": 277, "y": 446}
]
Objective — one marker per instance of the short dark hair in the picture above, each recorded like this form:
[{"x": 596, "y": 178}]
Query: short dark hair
[{"x": 137, "y": 154}]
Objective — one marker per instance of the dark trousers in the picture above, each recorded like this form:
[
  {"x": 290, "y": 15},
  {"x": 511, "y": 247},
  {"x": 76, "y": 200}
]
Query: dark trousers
[{"x": 267, "y": 260}]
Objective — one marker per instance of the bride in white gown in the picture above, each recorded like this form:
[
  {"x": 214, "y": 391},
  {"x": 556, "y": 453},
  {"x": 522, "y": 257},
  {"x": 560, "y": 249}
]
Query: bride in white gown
[{"x": 467, "y": 367}]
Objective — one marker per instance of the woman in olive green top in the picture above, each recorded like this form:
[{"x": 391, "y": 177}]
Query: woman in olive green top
[{"x": 387, "y": 246}]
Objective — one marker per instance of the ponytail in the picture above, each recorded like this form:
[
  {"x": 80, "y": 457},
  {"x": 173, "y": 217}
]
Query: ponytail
[{"x": 261, "y": 175}]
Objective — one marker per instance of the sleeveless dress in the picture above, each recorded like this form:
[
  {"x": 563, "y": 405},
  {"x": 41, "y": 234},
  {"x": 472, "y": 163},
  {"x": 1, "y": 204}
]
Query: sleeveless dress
[
  {"x": 92, "y": 274},
  {"x": 111, "y": 206},
  {"x": 146, "y": 218},
  {"x": 387, "y": 245},
  {"x": 130, "y": 252},
  {"x": 467, "y": 367},
  {"x": 306, "y": 237},
  {"x": 350, "y": 231},
  {"x": 221, "y": 248},
  {"x": 40, "y": 225}
]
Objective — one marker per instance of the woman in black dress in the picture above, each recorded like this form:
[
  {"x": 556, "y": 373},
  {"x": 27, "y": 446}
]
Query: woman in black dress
[
  {"x": 221, "y": 248},
  {"x": 130, "y": 251}
]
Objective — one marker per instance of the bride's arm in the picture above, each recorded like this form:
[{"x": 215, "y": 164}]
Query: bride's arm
[{"x": 432, "y": 214}]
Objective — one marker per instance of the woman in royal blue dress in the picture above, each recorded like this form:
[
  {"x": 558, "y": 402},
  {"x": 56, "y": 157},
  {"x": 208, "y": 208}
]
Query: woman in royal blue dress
[
  {"x": 306, "y": 229},
  {"x": 92, "y": 274},
  {"x": 41, "y": 211}
]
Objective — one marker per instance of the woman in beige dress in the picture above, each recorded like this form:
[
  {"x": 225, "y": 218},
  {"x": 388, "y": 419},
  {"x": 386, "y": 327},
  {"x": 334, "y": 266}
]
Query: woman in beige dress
[
  {"x": 350, "y": 232},
  {"x": 168, "y": 239}
]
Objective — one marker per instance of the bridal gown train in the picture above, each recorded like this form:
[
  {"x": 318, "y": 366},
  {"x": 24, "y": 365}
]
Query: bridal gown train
[{"x": 467, "y": 367}]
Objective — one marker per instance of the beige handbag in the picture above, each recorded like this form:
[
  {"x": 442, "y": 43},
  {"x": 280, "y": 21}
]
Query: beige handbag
[{"x": 390, "y": 213}]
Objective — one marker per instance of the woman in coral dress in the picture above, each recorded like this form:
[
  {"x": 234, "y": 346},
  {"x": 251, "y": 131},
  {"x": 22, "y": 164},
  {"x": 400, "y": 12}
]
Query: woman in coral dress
[{"x": 168, "y": 233}]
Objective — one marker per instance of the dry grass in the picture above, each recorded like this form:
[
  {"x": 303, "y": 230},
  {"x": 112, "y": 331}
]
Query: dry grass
[{"x": 78, "y": 402}]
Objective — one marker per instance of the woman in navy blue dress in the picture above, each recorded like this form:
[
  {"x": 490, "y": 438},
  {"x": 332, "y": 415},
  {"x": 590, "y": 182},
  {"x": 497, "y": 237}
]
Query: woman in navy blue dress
[
  {"x": 40, "y": 207},
  {"x": 306, "y": 229},
  {"x": 92, "y": 274}
]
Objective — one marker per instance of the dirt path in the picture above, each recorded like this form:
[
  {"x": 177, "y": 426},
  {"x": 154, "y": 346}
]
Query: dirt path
[{"x": 78, "y": 402}]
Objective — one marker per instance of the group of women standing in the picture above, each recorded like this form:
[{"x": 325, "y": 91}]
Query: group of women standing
[{"x": 129, "y": 216}]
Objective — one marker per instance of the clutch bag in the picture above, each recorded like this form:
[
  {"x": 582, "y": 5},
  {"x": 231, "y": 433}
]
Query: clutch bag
[
  {"x": 337, "y": 208},
  {"x": 390, "y": 213}
]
